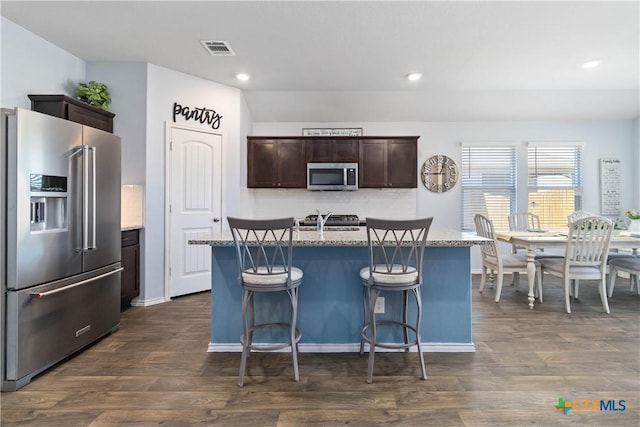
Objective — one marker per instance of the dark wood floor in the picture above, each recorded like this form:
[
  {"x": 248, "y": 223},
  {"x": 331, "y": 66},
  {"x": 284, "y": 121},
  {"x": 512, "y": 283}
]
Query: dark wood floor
[{"x": 155, "y": 370}]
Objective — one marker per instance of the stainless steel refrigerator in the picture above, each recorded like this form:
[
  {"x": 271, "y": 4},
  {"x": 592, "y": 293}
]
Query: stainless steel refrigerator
[{"x": 60, "y": 222}]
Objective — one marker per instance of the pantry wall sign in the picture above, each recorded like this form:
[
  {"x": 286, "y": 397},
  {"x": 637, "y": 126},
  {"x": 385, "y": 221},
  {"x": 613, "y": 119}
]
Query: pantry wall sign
[{"x": 197, "y": 114}]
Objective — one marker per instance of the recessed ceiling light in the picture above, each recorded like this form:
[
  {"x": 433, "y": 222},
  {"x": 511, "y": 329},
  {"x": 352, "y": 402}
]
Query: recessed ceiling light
[
  {"x": 591, "y": 64},
  {"x": 414, "y": 76},
  {"x": 243, "y": 77}
]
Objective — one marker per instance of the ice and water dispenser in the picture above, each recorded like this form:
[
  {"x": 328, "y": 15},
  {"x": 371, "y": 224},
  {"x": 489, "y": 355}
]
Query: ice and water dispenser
[{"x": 48, "y": 202}]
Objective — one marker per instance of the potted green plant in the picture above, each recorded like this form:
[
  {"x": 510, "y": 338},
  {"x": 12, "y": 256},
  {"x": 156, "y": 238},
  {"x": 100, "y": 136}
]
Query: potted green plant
[
  {"x": 634, "y": 216},
  {"x": 94, "y": 93}
]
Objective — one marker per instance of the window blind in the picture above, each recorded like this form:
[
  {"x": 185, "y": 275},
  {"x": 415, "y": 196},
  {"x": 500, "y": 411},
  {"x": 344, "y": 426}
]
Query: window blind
[
  {"x": 554, "y": 182},
  {"x": 488, "y": 181}
]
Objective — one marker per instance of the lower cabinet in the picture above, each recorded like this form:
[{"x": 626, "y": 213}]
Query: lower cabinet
[{"x": 130, "y": 285}]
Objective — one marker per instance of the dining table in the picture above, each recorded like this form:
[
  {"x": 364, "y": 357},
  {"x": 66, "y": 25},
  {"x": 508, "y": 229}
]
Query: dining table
[{"x": 534, "y": 240}]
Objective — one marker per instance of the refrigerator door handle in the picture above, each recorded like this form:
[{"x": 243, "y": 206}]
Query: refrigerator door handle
[
  {"x": 38, "y": 295},
  {"x": 88, "y": 198},
  {"x": 92, "y": 150},
  {"x": 78, "y": 207}
]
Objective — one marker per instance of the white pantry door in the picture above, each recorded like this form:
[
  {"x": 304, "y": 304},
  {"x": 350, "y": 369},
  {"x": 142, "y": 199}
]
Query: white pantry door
[{"x": 195, "y": 206}]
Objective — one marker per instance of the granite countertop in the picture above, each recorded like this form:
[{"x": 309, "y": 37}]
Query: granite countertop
[{"x": 353, "y": 236}]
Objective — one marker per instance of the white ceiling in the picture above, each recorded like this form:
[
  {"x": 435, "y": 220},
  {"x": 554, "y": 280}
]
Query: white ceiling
[{"x": 347, "y": 60}]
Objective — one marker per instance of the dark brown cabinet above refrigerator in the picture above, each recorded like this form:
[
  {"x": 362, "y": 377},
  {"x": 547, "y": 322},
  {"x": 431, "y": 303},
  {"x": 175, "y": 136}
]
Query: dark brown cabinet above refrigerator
[{"x": 73, "y": 110}]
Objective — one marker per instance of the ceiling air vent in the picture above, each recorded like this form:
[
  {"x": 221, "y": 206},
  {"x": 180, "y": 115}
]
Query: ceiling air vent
[{"x": 218, "y": 48}]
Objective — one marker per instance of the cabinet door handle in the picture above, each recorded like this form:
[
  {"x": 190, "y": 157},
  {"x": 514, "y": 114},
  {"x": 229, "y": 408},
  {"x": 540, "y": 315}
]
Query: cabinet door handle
[{"x": 216, "y": 219}]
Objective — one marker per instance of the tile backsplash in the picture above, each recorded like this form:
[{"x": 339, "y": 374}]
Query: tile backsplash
[
  {"x": 132, "y": 215},
  {"x": 381, "y": 203}
]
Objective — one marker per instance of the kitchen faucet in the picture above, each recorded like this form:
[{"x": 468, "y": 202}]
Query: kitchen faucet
[{"x": 321, "y": 222}]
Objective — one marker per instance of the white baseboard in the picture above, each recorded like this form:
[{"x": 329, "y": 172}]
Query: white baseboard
[
  {"x": 137, "y": 302},
  {"x": 352, "y": 348}
]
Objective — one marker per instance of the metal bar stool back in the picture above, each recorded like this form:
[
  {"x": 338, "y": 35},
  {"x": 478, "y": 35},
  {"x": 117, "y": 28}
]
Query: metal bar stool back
[
  {"x": 264, "y": 252},
  {"x": 396, "y": 249}
]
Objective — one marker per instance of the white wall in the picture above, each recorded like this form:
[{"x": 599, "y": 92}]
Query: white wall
[
  {"x": 245, "y": 199},
  {"x": 636, "y": 142},
  {"x": 32, "y": 65},
  {"x": 143, "y": 96},
  {"x": 613, "y": 139},
  {"x": 164, "y": 87},
  {"x": 127, "y": 82},
  {"x": 142, "y": 99},
  {"x": 602, "y": 139}
]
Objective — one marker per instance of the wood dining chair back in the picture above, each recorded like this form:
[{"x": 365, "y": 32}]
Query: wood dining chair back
[
  {"x": 577, "y": 215},
  {"x": 264, "y": 252},
  {"x": 494, "y": 260},
  {"x": 585, "y": 257},
  {"x": 523, "y": 221},
  {"x": 396, "y": 251}
]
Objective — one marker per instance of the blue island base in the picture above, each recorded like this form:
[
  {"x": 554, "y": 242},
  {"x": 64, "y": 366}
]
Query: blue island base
[{"x": 330, "y": 301}]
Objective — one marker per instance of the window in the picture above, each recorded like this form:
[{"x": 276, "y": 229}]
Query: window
[
  {"x": 488, "y": 178},
  {"x": 555, "y": 182}
]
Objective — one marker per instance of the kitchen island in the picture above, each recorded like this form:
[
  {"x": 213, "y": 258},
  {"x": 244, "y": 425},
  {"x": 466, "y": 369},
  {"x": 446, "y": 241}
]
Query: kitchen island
[{"x": 330, "y": 297}]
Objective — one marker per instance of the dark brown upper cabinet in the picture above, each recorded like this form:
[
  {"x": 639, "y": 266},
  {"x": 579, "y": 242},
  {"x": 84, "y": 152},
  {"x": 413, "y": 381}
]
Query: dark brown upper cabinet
[
  {"x": 73, "y": 110},
  {"x": 327, "y": 150},
  {"x": 281, "y": 162},
  {"x": 388, "y": 162},
  {"x": 276, "y": 163}
]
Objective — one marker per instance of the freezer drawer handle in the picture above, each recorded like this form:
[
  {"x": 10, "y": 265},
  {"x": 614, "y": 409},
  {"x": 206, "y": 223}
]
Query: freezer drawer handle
[{"x": 38, "y": 295}]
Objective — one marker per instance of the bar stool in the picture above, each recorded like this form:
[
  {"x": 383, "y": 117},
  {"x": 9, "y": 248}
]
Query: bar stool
[
  {"x": 395, "y": 265},
  {"x": 264, "y": 249}
]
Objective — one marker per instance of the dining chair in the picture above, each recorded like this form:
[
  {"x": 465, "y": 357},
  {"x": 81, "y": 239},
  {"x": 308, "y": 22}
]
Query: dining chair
[
  {"x": 585, "y": 257},
  {"x": 630, "y": 265},
  {"x": 264, "y": 253},
  {"x": 576, "y": 215},
  {"x": 573, "y": 217},
  {"x": 494, "y": 260},
  {"x": 612, "y": 254},
  {"x": 527, "y": 221},
  {"x": 396, "y": 249},
  {"x": 623, "y": 222},
  {"x": 523, "y": 221}
]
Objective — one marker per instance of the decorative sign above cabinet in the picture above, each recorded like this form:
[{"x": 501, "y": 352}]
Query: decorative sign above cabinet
[
  {"x": 331, "y": 131},
  {"x": 439, "y": 173},
  {"x": 198, "y": 114}
]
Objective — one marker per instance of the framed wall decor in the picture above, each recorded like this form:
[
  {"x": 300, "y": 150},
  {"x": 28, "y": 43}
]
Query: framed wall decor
[
  {"x": 439, "y": 173},
  {"x": 331, "y": 131},
  {"x": 610, "y": 186}
]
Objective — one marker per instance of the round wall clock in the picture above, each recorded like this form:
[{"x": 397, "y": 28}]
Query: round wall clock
[{"x": 439, "y": 173}]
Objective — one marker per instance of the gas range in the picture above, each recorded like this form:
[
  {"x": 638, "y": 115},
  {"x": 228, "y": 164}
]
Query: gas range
[{"x": 334, "y": 220}]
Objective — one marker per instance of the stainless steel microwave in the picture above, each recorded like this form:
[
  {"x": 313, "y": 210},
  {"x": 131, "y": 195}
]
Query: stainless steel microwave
[{"x": 332, "y": 176}]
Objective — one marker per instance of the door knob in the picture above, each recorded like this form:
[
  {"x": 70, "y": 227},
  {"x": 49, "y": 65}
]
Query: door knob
[{"x": 216, "y": 219}]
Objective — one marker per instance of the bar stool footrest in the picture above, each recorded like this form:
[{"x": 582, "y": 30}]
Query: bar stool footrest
[
  {"x": 401, "y": 346},
  {"x": 270, "y": 347}
]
